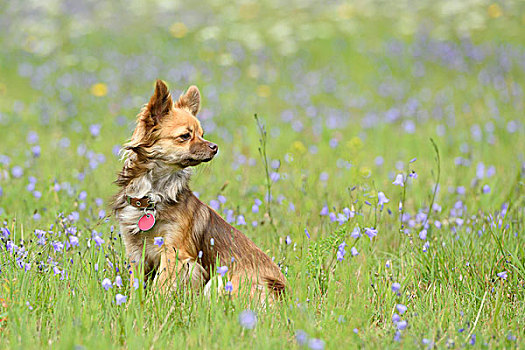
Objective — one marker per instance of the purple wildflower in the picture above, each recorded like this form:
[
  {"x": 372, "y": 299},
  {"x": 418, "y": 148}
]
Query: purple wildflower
[
  {"x": 17, "y": 171},
  {"x": 423, "y": 234},
  {"x": 32, "y": 137},
  {"x": 158, "y": 241},
  {"x": 306, "y": 233},
  {"x": 396, "y": 318},
  {"x": 73, "y": 240},
  {"x": 57, "y": 246},
  {"x": 316, "y": 344},
  {"x": 399, "y": 180},
  {"x": 82, "y": 196},
  {"x": 381, "y": 199},
  {"x": 288, "y": 240},
  {"x": 395, "y": 287},
  {"x": 370, "y": 232},
  {"x": 401, "y": 325},
  {"x": 36, "y": 151},
  {"x": 480, "y": 170},
  {"x": 301, "y": 337},
  {"x": 248, "y": 319},
  {"x": 348, "y": 213},
  {"x": 502, "y": 275},
  {"x": 491, "y": 171},
  {"x": 5, "y": 232},
  {"x": 228, "y": 287},
  {"x": 106, "y": 283},
  {"x": 354, "y": 251},
  {"x": 356, "y": 232},
  {"x": 324, "y": 211},
  {"x": 120, "y": 299},
  {"x": 64, "y": 142},
  {"x": 118, "y": 281},
  {"x": 401, "y": 308},
  {"x": 341, "y": 251},
  {"x": 241, "y": 220},
  {"x": 221, "y": 270},
  {"x": 229, "y": 216},
  {"x": 94, "y": 129},
  {"x": 341, "y": 218},
  {"x": 214, "y": 204},
  {"x": 98, "y": 240},
  {"x": 397, "y": 336}
]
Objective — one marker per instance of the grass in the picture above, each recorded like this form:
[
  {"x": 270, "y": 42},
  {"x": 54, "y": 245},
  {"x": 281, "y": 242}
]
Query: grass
[{"x": 348, "y": 95}]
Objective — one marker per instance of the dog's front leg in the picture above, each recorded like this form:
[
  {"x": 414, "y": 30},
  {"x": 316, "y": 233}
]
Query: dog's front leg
[{"x": 177, "y": 268}]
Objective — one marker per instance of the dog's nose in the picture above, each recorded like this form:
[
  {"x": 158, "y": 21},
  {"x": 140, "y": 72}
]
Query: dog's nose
[{"x": 213, "y": 147}]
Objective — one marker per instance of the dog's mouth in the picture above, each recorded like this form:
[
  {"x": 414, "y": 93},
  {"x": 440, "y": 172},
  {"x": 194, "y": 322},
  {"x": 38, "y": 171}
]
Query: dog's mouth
[{"x": 194, "y": 161}]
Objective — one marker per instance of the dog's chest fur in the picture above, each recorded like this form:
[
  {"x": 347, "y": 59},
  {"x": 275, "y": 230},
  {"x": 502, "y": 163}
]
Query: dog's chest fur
[{"x": 162, "y": 190}]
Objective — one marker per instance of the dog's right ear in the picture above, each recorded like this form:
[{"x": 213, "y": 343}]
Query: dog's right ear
[{"x": 160, "y": 103}]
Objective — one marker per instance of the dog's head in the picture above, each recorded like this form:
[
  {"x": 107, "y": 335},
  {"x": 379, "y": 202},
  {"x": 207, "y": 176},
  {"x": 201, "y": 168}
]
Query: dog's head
[{"x": 169, "y": 132}]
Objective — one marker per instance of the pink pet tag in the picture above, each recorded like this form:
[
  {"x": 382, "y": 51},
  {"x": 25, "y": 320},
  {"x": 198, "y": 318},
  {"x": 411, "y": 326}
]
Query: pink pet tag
[{"x": 146, "y": 222}]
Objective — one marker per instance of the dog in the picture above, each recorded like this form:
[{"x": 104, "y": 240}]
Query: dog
[{"x": 169, "y": 234}]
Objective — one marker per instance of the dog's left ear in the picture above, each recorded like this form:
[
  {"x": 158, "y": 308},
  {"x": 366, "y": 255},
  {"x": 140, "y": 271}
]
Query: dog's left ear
[{"x": 190, "y": 100}]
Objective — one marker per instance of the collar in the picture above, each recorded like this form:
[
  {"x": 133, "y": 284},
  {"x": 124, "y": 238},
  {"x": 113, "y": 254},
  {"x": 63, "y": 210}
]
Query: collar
[{"x": 141, "y": 203}]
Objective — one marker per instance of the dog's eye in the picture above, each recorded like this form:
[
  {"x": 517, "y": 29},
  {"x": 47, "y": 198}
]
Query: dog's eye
[{"x": 185, "y": 137}]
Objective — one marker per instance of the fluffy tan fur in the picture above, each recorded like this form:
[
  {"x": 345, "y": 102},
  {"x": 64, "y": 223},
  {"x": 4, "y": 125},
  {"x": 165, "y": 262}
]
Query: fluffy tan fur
[{"x": 168, "y": 139}]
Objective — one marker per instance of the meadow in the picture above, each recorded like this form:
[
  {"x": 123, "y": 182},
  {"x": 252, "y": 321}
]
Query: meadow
[{"x": 384, "y": 171}]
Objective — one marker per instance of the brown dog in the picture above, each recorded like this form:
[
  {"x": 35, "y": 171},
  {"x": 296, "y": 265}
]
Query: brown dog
[{"x": 155, "y": 201}]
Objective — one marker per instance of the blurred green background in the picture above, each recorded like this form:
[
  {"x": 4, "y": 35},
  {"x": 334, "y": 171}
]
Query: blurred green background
[{"x": 319, "y": 74}]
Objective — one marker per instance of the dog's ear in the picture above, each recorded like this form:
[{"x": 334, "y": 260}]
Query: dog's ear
[
  {"x": 160, "y": 103},
  {"x": 191, "y": 100}
]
